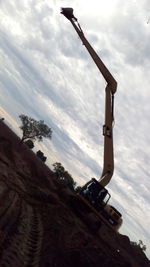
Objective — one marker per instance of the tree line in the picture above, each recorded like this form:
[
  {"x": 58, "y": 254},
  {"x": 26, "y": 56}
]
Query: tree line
[
  {"x": 33, "y": 130},
  {"x": 139, "y": 244}
]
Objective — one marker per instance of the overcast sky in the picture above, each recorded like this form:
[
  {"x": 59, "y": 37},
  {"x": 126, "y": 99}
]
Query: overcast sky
[{"x": 47, "y": 74}]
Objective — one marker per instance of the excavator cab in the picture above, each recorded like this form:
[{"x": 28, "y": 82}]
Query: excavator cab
[{"x": 96, "y": 194}]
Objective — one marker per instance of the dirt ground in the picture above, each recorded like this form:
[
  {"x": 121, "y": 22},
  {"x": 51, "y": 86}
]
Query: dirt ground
[{"x": 42, "y": 224}]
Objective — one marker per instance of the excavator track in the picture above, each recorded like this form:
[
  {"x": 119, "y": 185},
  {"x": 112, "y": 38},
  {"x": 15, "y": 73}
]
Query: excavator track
[{"x": 21, "y": 233}]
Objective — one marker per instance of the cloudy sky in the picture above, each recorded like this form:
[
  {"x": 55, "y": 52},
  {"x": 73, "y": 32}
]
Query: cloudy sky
[{"x": 47, "y": 74}]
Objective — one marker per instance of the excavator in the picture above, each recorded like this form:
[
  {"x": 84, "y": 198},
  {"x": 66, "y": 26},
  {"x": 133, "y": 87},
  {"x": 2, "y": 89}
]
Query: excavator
[{"x": 93, "y": 193}]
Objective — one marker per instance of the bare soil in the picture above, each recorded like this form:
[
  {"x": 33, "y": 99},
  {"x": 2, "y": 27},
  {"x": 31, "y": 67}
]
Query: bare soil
[{"x": 42, "y": 223}]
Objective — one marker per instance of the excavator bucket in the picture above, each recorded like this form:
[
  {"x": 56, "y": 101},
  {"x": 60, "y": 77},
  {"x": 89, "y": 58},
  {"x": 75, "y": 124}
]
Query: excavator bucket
[{"x": 68, "y": 13}]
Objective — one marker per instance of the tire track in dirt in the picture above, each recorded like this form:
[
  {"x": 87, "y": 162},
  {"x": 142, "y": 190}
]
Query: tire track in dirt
[{"x": 21, "y": 235}]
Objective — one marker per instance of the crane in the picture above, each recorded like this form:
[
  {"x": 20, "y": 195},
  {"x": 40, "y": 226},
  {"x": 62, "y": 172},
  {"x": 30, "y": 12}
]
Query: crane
[{"x": 94, "y": 191}]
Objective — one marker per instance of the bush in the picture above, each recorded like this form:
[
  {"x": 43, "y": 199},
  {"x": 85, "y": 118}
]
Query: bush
[{"x": 29, "y": 143}]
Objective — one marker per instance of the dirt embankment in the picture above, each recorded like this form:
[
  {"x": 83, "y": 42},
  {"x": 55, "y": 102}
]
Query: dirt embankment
[{"x": 39, "y": 220}]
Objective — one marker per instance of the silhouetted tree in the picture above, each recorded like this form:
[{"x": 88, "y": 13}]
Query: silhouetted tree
[
  {"x": 64, "y": 176},
  {"x": 59, "y": 170},
  {"x": 33, "y": 129},
  {"x": 141, "y": 245},
  {"x": 78, "y": 189},
  {"x": 69, "y": 181}
]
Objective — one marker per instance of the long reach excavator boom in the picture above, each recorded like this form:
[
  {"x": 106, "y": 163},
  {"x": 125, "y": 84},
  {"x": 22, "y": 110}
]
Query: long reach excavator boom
[
  {"x": 93, "y": 194},
  {"x": 111, "y": 87}
]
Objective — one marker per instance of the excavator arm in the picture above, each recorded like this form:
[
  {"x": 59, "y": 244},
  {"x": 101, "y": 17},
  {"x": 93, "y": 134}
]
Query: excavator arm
[{"x": 111, "y": 87}]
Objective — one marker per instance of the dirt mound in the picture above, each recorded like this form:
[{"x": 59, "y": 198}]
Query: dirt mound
[{"x": 39, "y": 222}]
